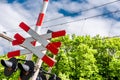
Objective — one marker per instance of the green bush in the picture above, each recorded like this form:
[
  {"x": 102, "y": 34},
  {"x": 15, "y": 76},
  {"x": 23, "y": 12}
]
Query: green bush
[{"x": 83, "y": 58}]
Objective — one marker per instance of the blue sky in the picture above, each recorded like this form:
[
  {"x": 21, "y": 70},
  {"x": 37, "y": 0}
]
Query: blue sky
[
  {"x": 15, "y": 11},
  {"x": 62, "y": 11},
  {"x": 69, "y": 13},
  {"x": 19, "y": 1}
]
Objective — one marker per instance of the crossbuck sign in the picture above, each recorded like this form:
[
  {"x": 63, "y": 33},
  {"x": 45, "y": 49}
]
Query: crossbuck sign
[{"x": 29, "y": 43}]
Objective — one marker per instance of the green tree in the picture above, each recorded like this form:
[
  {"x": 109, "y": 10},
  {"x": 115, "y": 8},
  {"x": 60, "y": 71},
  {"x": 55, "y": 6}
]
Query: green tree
[{"x": 83, "y": 58}]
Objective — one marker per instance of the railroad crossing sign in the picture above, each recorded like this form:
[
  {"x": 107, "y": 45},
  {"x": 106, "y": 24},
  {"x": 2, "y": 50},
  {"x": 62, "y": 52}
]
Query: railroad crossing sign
[
  {"x": 42, "y": 39},
  {"x": 29, "y": 45}
]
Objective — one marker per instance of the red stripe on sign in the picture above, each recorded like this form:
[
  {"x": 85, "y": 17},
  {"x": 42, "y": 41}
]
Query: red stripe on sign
[
  {"x": 24, "y": 26},
  {"x": 18, "y": 37},
  {"x": 40, "y": 19},
  {"x": 33, "y": 43},
  {"x": 46, "y": 0},
  {"x": 13, "y": 53},
  {"x": 16, "y": 42},
  {"x": 58, "y": 33},
  {"x": 57, "y": 44},
  {"x": 52, "y": 48},
  {"x": 48, "y": 61}
]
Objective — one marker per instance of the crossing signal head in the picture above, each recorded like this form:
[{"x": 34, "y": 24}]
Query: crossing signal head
[
  {"x": 10, "y": 66},
  {"x": 27, "y": 70},
  {"x": 41, "y": 76}
]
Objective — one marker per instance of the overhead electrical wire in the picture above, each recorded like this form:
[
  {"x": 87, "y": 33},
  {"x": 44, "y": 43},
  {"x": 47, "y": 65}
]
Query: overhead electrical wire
[
  {"x": 79, "y": 19},
  {"x": 83, "y": 18},
  {"x": 86, "y": 18},
  {"x": 84, "y": 10},
  {"x": 110, "y": 31}
]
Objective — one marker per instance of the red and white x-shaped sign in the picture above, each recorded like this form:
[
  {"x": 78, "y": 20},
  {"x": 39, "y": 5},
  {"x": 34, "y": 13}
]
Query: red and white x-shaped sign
[{"x": 29, "y": 44}]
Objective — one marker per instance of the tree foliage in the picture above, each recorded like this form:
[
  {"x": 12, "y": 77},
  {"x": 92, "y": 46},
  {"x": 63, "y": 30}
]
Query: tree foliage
[
  {"x": 88, "y": 58},
  {"x": 85, "y": 58}
]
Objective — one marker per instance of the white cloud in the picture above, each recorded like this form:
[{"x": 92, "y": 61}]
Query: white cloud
[
  {"x": 115, "y": 29},
  {"x": 90, "y": 27},
  {"x": 12, "y": 14},
  {"x": 3, "y": 1},
  {"x": 10, "y": 17},
  {"x": 103, "y": 25},
  {"x": 1, "y": 51}
]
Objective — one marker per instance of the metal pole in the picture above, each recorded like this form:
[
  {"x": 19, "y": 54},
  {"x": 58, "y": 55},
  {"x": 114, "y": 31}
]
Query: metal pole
[
  {"x": 37, "y": 28},
  {"x": 50, "y": 69}
]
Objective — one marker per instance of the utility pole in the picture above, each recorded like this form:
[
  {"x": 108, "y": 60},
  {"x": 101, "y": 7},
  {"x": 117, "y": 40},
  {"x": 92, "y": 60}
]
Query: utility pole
[{"x": 37, "y": 28}]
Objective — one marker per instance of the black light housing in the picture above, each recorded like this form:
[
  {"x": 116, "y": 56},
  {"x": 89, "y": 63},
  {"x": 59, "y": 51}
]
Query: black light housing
[
  {"x": 27, "y": 70},
  {"x": 49, "y": 31},
  {"x": 41, "y": 76},
  {"x": 10, "y": 66}
]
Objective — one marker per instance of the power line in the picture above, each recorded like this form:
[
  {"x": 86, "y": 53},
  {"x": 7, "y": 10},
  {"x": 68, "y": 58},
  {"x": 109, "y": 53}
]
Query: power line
[
  {"x": 84, "y": 10},
  {"x": 78, "y": 12},
  {"x": 83, "y": 19},
  {"x": 110, "y": 28},
  {"x": 79, "y": 19},
  {"x": 71, "y": 21}
]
